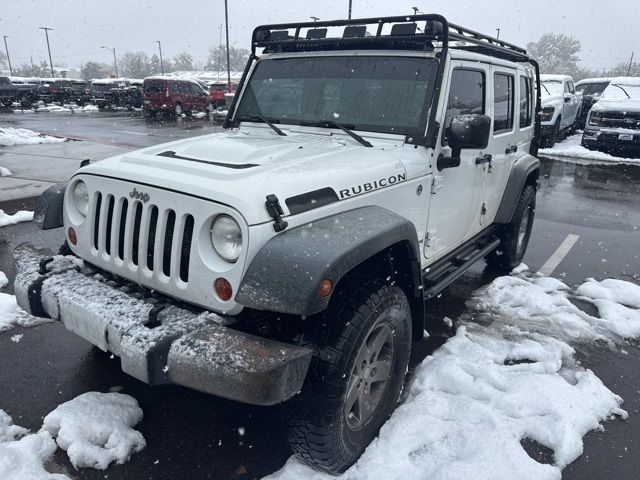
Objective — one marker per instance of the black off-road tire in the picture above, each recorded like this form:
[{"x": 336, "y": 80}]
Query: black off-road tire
[
  {"x": 324, "y": 432},
  {"x": 514, "y": 237},
  {"x": 550, "y": 140}
]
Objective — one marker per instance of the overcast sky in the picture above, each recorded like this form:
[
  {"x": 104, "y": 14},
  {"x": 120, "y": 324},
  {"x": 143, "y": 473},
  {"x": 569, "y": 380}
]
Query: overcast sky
[{"x": 607, "y": 29}]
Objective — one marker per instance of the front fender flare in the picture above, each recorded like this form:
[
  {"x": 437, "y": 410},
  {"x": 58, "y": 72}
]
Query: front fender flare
[
  {"x": 49, "y": 208},
  {"x": 286, "y": 273}
]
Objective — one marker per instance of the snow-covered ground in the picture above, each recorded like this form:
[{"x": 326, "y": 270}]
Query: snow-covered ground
[
  {"x": 508, "y": 374},
  {"x": 5, "y": 172},
  {"x": 94, "y": 428},
  {"x": 10, "y": 136},
  {"x": 21, "y": 216},
  {"x": 570, "y": 148}
]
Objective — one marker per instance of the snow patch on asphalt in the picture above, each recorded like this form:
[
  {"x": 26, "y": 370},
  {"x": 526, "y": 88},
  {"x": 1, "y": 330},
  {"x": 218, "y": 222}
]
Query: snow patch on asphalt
[
  {"x": 96, "y": 429},
  {"x": 5, "y": 172},
  {"x": 10, "y": 136},
  {"x": 570, "y": 148},
  {"x": 22, "y": 454},
  {"x": 508, "y": 374},
  {"x": 4, "y": 281},
  {"x": 21, "y": 216},
  {"x": 12, "y": 315}
]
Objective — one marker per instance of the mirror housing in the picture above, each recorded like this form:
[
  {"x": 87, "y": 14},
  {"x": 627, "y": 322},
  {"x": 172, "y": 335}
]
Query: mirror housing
[
  {"x": 465, "y": 131},
  {"x": 567, "y": 97}
]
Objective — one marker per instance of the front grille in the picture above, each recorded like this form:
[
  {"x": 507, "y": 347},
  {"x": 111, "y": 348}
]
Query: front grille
[
  {"x": 620, "y": 120},
  {"x": 143, "y": 235}
]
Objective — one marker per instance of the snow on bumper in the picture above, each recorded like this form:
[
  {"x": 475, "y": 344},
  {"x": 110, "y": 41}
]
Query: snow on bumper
[{"x": 158, "y": 342}]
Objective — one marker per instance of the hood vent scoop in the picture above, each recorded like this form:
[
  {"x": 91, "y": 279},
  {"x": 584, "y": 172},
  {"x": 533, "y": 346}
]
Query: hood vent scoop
[{"x": 172, "y": 154}]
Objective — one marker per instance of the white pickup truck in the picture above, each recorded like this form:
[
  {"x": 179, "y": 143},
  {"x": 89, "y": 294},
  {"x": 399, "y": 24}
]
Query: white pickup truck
[{"x": 561, "y": 106}]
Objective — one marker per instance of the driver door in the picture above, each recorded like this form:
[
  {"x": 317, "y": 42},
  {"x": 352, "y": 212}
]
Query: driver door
[{"x": 456, "y": 193}]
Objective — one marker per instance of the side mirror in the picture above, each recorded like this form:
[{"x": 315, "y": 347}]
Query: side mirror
[
  {"x": 567, "y": 97},
  {"x": 466, "y": 131}
]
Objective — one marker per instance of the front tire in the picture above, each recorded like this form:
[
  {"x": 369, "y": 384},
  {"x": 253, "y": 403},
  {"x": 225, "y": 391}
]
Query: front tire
[
  {"x": 514, "y": 237},
  {"x": 354, "y": 389}
]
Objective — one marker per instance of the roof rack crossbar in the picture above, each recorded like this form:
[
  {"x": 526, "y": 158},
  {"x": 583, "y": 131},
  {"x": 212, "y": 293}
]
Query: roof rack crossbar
[{"x": 436, "y": 29}]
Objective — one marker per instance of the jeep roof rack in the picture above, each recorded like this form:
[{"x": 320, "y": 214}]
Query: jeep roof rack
[{"x": 411, "y": 32}]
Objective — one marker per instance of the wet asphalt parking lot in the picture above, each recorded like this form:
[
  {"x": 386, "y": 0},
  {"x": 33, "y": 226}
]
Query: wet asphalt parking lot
[{"x": 193, "y": 435}]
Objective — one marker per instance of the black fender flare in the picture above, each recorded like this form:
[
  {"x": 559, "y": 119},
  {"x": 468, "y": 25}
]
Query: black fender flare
[
  {"x": 286, "y": 273},
  {"x": 522, "y": 169},
  {"x": 49, "y": 207}
]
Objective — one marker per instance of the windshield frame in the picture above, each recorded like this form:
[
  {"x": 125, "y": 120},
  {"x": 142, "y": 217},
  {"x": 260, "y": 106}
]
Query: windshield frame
[{"x": 414, "y": 135}]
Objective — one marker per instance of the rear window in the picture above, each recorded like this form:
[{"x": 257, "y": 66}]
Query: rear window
[{"x": 154, "y": 86}]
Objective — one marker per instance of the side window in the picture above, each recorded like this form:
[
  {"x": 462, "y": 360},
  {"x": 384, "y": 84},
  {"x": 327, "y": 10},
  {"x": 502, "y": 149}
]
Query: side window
[
  {"x": 466, "y": 95},
  {"x": 567, "y": 88},
  {"x": 525, "y": 102},
  {"x": 572, "y": 89},
  {"x": 502, "y": 102}
]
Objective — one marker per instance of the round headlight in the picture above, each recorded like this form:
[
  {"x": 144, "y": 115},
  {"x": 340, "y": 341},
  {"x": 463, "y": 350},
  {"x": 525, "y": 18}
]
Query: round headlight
[
  {"x": 226, "y": 238},
  {"x": 80, "y": 195}
]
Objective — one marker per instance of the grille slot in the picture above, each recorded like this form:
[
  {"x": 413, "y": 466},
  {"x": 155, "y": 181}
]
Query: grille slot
[
  {"x": 107, "y": 238},
  {"x": 168, "y": 241},
  {"x": 151, "y": 240},
  {"x": 159, "y": 239},
  {"x": 186, "y": 248}
]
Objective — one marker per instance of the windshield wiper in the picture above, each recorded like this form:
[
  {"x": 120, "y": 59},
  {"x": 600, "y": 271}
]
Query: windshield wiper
[
  {"x": 625, "y": 92},
  {"x": 253, "y": 118},
  {"x": 346, "y": 129}
]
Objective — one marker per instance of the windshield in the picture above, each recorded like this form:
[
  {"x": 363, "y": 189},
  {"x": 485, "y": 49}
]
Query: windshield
[
  {"x": 372, "y": 93},
  {"x": 621, "y": 92},
  {"x": 592, "y": 88},
  {"x": 553, "y": 87}
]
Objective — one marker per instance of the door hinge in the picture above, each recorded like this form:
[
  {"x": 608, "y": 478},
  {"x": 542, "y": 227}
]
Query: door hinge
[
  {"x": 430, "y": 238},
  {"x": 436, "y": 184}
]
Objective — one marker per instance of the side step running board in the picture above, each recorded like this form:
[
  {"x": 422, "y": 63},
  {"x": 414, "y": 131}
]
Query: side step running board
[{"x": 468, "y": 260}]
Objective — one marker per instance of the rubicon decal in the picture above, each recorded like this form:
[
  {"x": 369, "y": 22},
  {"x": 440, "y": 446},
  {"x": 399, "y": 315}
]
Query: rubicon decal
[{"x": 371, "y": 186}]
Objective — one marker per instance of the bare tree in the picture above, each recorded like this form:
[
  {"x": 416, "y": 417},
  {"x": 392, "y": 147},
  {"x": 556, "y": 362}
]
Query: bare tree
[
  {"x": 622, "y": 68},
  {"x": 556, "y": 53},
  {"x": 183, "y": 61},
  {"x": 134, "y": 65},
  {"x": 33, "y": 70},
  {"x": 92, "y": 70},
  {"x": 218, "y": 58}
]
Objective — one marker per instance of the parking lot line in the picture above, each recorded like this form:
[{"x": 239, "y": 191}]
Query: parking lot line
[{"x": 554, "y": 260}]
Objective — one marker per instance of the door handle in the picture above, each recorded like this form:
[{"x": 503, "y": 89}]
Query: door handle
[
  {"x": 511, "y": 149},
  {"x": 484, "y": 159}
]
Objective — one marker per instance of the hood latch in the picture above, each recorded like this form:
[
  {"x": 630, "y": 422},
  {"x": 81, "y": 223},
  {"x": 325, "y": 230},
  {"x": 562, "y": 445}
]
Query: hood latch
[{"x": 275, "y": 211}]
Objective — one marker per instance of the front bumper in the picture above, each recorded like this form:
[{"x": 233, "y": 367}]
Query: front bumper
[
  {"x": 158, "y": 341},
  {"x": 602, "y": 139}
]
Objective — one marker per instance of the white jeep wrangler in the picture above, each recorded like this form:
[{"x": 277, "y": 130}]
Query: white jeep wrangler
[{"x": 366, "y": 165}]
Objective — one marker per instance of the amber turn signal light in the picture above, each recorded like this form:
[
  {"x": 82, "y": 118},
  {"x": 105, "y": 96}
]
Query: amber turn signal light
[
  {"x": 72, "y": 236},
  {"x": 326, "y": 286},
  {"x": 223, "y": 289}
]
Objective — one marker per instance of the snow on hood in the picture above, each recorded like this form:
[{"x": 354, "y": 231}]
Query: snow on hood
[
  {"x": 241, "y": 167},
  {"x": 614, "y": 97}
]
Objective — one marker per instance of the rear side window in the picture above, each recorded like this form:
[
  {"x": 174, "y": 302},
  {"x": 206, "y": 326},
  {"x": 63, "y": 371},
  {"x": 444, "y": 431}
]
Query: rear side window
[
  {"x": 526, "y": 102},
  {"x": 153, "y": 86},
  {"x": 502, "y": 102},
  {"x": 466, "y": 95}
]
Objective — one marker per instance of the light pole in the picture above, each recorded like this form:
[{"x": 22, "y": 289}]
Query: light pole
[
  {"x": 46, "y": 32},
  {"x": 115, "y": 63},
  {"x": 8, "y": 57},
  {"x": 161, "y": 62},
  {"x": 350, "y": 9},
  {"x": 498, "y": 36},
  {"x": 219, "y": 52},
  {"x": 226, "y": 21}
]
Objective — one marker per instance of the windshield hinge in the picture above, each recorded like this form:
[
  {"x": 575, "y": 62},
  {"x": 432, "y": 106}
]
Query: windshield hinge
[{"x": 275, "y": 211}]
